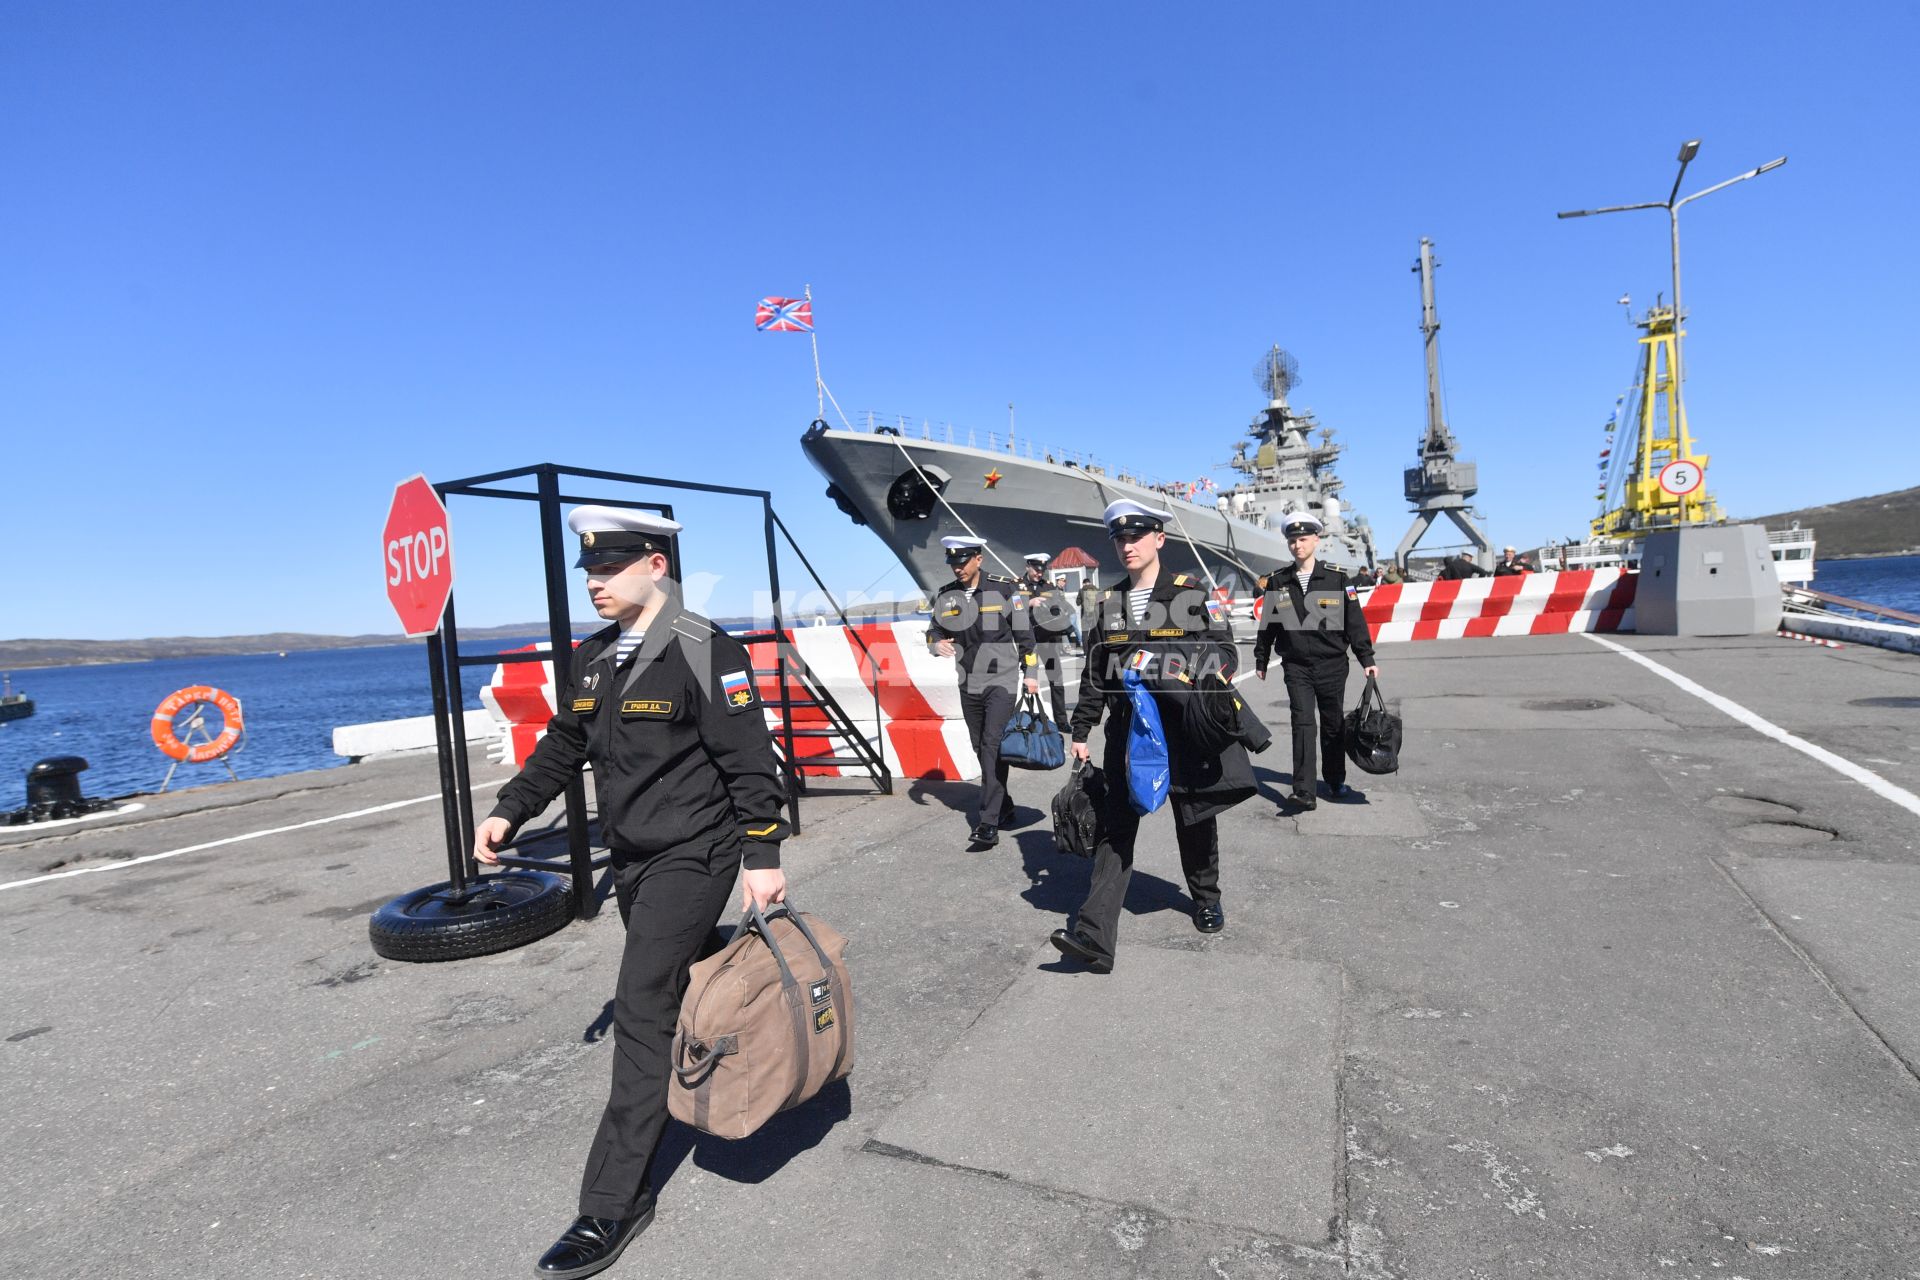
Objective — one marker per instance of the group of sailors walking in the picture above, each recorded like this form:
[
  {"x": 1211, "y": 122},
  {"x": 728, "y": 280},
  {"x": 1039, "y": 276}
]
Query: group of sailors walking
[
  {"x": 1168, "y": 627},
  {"x": 663, "y": 705}
]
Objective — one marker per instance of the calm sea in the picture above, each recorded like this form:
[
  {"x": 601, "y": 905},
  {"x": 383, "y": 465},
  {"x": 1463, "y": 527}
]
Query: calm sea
[
  {"x": 293, "y": 703},
  {"x": 291, "y": 706}
]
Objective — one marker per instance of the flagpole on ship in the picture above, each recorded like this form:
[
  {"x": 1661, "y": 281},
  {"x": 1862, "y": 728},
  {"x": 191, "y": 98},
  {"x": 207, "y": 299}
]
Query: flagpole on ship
[{"x": 820, "y": 392}]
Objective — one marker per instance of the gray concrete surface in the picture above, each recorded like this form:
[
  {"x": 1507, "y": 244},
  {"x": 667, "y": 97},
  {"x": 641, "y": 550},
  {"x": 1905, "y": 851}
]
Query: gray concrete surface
[
  {"x": 1602, "y": 1014},
  {"x": 1052, "y": 1085}
]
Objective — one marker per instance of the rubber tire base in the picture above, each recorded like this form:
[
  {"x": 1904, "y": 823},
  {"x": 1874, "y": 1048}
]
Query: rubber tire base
[{"x": 397, "y": 934}]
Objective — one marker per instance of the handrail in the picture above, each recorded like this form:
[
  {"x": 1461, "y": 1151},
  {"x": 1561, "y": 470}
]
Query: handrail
[
  {"x": 873, "y": 677},
  {"x": 1858, "y": 606}
]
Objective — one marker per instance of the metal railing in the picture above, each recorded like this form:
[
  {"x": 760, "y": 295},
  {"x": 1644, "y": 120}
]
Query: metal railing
[{"x": 1018, "y": 446}]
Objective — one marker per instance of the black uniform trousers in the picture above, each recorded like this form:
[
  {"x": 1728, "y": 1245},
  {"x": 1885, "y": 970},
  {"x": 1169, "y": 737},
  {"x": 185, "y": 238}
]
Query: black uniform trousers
[
  {"x": 670, "y": 902},
  {"x": 987, "y": 705},
  {"x": 1318, "y": 682},
  {"x": 1099, "y": 918},
  {"x": 1048, "y": 654}
]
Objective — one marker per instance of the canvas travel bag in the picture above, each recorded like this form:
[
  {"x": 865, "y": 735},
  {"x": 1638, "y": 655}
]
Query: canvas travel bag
[
  {"x": 1372, "y": 732},
  {"x": 766, "y": 1023},
  {"x": 1031, "y": 741}
]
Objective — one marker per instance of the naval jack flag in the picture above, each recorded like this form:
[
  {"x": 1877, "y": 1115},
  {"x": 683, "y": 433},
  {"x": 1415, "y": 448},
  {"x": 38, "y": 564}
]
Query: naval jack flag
[{"x": 784, "y": 315}]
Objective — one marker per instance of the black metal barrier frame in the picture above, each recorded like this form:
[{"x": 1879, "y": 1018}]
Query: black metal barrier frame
[{"x": 445, "y": 661}]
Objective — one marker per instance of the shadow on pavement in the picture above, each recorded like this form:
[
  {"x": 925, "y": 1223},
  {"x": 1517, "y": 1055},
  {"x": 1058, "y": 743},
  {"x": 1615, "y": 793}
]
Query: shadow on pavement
[{"x": 758, "y": 1156}]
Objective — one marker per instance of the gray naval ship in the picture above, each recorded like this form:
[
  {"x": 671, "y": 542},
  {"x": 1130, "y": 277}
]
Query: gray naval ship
[{"x": 913, "y": 485}]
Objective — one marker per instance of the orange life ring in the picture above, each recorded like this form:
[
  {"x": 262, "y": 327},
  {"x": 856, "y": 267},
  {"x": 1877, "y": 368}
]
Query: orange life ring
[{"x": 197, "y": 753}]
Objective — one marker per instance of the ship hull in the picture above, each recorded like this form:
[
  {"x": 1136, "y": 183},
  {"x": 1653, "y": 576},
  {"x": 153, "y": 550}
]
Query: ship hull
[{"x": 1031, "y": 505}]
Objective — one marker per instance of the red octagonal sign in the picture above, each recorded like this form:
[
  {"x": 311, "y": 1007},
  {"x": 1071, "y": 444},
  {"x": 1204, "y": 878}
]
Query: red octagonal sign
[{"x": 419, "y": 556}]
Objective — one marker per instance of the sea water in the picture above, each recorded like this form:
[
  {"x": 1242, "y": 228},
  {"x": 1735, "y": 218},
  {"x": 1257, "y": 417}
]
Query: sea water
[{"x": 290, "y": 705}]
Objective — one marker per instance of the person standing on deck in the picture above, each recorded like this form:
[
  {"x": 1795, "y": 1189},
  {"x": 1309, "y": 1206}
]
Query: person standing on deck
[
  {"x": 981, "y": 622},
  {"x": 1311, "y": 614},
  {"x": 662, "y": 704}
]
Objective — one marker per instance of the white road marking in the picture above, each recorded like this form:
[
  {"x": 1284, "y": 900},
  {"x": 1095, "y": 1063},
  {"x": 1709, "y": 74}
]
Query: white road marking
[
  {"x": 251, "y": 835},
  {"x": 1839, "y": 764}
]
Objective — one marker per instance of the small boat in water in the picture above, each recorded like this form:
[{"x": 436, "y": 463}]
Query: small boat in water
[{"x": 13, "y": 706}]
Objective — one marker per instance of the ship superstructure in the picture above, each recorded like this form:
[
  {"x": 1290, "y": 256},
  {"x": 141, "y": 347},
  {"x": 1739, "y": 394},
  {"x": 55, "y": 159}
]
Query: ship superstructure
[{"x": 913, "y": 484}]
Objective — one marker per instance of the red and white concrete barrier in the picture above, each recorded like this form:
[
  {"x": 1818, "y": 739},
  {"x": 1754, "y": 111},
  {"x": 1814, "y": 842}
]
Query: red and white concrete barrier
[
  {"x": 1525, "y": 604},
  {"x": 922, "y": 733}
]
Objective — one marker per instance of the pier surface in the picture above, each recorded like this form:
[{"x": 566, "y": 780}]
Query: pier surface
[{"x": 1605, "y": 982}]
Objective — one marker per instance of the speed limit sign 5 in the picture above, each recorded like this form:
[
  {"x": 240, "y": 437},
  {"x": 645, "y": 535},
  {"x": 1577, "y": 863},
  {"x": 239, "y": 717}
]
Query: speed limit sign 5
[{"x": 1682, "y": 478}]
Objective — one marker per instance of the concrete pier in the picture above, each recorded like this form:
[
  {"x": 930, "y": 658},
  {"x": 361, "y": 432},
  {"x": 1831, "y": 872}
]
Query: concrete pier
[{"x": 1607, "y": 982}]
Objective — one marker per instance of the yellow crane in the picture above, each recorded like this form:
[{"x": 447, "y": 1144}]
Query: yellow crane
[{"x": 1660, "y": 480}]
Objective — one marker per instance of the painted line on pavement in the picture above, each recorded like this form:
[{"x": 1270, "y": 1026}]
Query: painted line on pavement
[
  {"x": 1840, "y": 764},
  {"x": 251, "y": 835}
]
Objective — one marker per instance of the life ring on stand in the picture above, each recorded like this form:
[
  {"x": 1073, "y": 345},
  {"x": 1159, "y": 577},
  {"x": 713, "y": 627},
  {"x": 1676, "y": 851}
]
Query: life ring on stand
[{"x": 174, "y": 703}]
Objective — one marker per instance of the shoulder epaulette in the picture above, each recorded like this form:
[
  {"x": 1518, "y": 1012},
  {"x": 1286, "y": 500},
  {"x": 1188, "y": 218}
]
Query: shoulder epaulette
[
  {"x": 1183, "y": 579},
  {"x": 692, "y": 626},
  {"x": 1107, "y": 594}
]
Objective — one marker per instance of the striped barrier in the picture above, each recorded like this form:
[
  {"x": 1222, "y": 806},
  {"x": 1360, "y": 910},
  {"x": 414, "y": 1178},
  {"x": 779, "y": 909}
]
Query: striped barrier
[
  {"x": 922, "y": 732},
  {"x": 1525, "y": 604}
]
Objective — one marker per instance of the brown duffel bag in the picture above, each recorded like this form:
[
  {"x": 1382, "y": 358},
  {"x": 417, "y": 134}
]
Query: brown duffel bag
[{"x": 766, "y": 1024}]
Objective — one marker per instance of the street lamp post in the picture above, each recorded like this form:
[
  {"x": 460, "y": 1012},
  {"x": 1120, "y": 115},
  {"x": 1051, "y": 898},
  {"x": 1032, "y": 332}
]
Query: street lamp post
[{"x": 1687, "y": 152}]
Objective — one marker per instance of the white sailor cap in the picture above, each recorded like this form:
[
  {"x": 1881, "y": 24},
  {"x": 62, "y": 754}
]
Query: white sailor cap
[
  {"x": 958, "y": 543},
  {"x": 1299, "y": 522},
  {"x": 1128, "y": 514},
  {"x": 1038, "y": 557},
  {"x": 610, "y": 535}
]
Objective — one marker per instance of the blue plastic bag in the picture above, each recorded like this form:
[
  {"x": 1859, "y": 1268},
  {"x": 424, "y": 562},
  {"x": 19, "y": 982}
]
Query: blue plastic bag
[{"x": 1148, "y": 772}]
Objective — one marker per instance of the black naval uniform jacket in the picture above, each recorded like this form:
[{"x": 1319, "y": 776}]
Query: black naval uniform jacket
[
  {"x": 991, "y": 632},
  {"x": 678, "y": 739},
  {"x": 1048, "y": 611},
  {"x": 1186, "y": 647},
  {"x": 1314, "y": 626}
]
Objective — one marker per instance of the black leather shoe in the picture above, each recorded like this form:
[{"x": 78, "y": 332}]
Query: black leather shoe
[
  {"x": 1342, "y": 793},
  {"x": 985, "y": 836},
  {"x": 1303, "y": 804},
  {"x": 1075, "y": 947},
  {"x": 590, "y": 1245},
  {"x": 1210, "y": 918}
]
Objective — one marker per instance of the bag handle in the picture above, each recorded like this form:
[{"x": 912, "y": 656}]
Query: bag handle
[
  {"x": 756, "y": 921},
  {"x": 1372, "y": 694},
  {"x": 700, "y": 1058}
]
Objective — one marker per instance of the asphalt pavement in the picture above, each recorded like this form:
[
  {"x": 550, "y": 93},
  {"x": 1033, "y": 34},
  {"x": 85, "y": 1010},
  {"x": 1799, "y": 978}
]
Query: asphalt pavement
[{"x": 1603, "y": 983}]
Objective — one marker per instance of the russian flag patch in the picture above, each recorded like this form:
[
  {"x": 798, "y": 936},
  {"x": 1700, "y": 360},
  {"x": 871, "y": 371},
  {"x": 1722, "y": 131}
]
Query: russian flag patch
[{"x": 736, "y": 688}]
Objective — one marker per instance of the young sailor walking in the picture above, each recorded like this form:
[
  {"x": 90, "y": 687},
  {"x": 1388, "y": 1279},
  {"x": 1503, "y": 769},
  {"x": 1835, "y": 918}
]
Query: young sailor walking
[
  {"x": 1152, "y": 641},
  {"x": 662, "y": 704},
  {"x": 980, "y": 621},
  {"x": 1312, "y": 615}
]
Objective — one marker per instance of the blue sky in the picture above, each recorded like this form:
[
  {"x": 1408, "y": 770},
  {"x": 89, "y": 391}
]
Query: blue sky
[{"x": 264, "y": 261}]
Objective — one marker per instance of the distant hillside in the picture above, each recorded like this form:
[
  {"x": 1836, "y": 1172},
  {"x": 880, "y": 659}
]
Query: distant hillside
[
  {"x": 20, "y": 655},
  {"x": 1886, "y": 524}
]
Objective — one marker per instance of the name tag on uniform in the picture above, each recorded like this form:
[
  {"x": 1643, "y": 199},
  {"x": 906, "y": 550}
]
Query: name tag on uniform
[
  {"x": 585, "y": 706},
  {"x": 1118, "y": 637},
  {"x": 1158, "y": 632},
  {"x": 646, "y": 707},
  {"x": 990, "y": 608}
]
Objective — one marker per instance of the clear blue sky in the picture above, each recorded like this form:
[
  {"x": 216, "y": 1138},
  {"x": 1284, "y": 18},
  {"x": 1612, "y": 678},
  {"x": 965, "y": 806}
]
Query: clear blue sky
[{"x": 263, "y": 261}]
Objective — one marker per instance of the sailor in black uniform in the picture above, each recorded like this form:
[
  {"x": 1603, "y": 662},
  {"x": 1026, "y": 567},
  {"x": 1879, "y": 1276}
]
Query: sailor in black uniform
[
  {"x": 1151, "y": 615},
  {"x": 662, "y": 703},
  {"x": 1311, "y": 614},
  {"x": 980, "y": 621},
  {"x": 1052, "y": 619}
]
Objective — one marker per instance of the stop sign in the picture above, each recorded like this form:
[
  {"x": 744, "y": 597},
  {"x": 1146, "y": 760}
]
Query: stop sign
[{"x": 419, "y": 556}]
